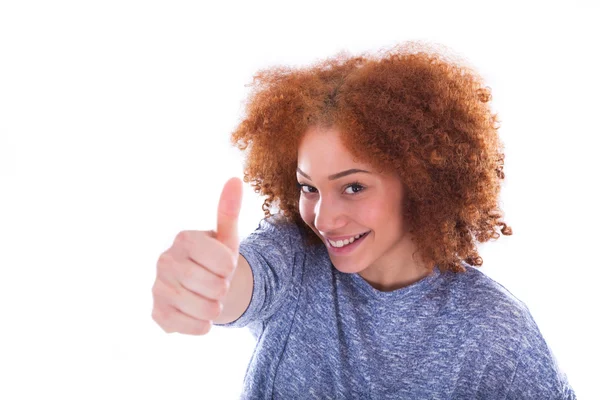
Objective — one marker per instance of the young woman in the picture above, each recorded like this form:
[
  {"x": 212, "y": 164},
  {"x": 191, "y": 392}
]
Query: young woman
[{"x": 385, "y": 172}]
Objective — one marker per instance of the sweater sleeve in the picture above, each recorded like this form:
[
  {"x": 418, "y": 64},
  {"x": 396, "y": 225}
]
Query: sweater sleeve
[
  {"x": 271, "y": 251},
  {"x": 537, "y": 374}
]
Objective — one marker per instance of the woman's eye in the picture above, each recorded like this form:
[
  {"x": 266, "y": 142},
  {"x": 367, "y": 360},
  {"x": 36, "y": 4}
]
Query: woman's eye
[
  {"x": 310, "y": 189},
  {"x": 354, "y": 186},
  {"x": 301, "y": 187}
]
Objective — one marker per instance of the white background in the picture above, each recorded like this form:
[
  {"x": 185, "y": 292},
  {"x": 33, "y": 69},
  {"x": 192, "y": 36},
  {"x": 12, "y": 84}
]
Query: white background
[{"x": 114, "y": 126}]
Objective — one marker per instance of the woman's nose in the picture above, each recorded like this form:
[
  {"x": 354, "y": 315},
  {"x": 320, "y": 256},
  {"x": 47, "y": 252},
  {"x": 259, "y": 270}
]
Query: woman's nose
[{"x": 327, "y": 215}]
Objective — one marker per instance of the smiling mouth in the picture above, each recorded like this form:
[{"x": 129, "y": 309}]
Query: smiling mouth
[{"x": 339, "y": 245}]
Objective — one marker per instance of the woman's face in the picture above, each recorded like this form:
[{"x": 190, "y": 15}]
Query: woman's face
[{"x": 338, "y": 201}]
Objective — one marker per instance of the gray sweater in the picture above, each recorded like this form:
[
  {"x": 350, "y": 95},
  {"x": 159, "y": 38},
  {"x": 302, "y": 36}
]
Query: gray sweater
[{"x": 323, "y": 334}]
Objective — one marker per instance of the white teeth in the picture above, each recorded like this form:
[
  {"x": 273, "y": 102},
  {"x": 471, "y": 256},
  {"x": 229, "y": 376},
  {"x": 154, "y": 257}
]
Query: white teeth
[{"x": 342, "y": 243}]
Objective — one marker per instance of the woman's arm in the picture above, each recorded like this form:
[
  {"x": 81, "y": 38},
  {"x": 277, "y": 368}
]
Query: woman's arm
[{"x": 240, "y": 293}]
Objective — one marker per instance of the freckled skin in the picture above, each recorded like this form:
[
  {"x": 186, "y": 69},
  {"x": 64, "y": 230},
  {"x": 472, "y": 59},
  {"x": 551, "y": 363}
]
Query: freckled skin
[{"x": 335, "y": 208}]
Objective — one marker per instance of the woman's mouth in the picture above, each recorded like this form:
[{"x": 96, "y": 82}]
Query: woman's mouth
[{"x": 345, "y": 247}]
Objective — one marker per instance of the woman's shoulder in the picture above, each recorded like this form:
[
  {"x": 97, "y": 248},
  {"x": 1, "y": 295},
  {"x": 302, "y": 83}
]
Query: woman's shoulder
[
  {"x": 482, "y": 291},
  {"x": 485, "y": 296},
  {"x": 494, "y": 312},
  {"x": 275, "y": 228}
]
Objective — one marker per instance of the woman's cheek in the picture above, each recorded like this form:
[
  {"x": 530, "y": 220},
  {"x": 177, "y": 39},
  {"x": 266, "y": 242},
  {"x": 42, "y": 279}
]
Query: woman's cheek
[{"x": 305, "y": 211}]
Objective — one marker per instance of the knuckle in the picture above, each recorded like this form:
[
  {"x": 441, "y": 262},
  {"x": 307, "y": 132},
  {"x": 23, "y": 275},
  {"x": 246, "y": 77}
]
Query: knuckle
[
  {"x": 165, "y": 260},
  {"x": 159, "y": 290},
  {"x": 167, "y": 323},
  {"x": 203, "y": 328},
  {"x": 182, "y": 237},
  {"x": 160, "y": 317},
  {"x": 208, "y": 328},
  {"x": 166, "y": 318},
  {"x": 228, "y": 269},
  {"x": 167, "y": 329},
  {"x": 215, "y": 310},
  {"x": 214, "y": 288},
  {"x": 156, "y": 290},
  {"x": 222, "y": 288},
  {"x": 228, "y": 264}
]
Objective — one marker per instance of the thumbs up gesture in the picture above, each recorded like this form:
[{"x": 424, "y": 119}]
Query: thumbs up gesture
[{"x": 194, "y": 275}]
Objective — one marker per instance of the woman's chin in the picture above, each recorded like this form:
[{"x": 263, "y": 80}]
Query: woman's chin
[{"x": 346, "y": 266}]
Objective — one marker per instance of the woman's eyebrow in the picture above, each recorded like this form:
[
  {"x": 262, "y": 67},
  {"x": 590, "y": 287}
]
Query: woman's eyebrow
[{"x": 334, "y": 176}]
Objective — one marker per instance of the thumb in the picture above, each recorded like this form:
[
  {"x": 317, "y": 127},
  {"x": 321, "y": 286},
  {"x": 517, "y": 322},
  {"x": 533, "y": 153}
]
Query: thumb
[{"x": 228, "y": 212}]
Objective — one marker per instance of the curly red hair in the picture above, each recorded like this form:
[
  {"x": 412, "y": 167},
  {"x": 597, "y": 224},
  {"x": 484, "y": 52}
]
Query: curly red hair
[{"x": 409, "y": 110}]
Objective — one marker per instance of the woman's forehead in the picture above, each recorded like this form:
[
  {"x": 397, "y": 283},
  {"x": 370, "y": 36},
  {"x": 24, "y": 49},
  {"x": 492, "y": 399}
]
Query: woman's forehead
[
  {"x": 323, "y": 152},
  {"x": 326, "y": 144}
]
